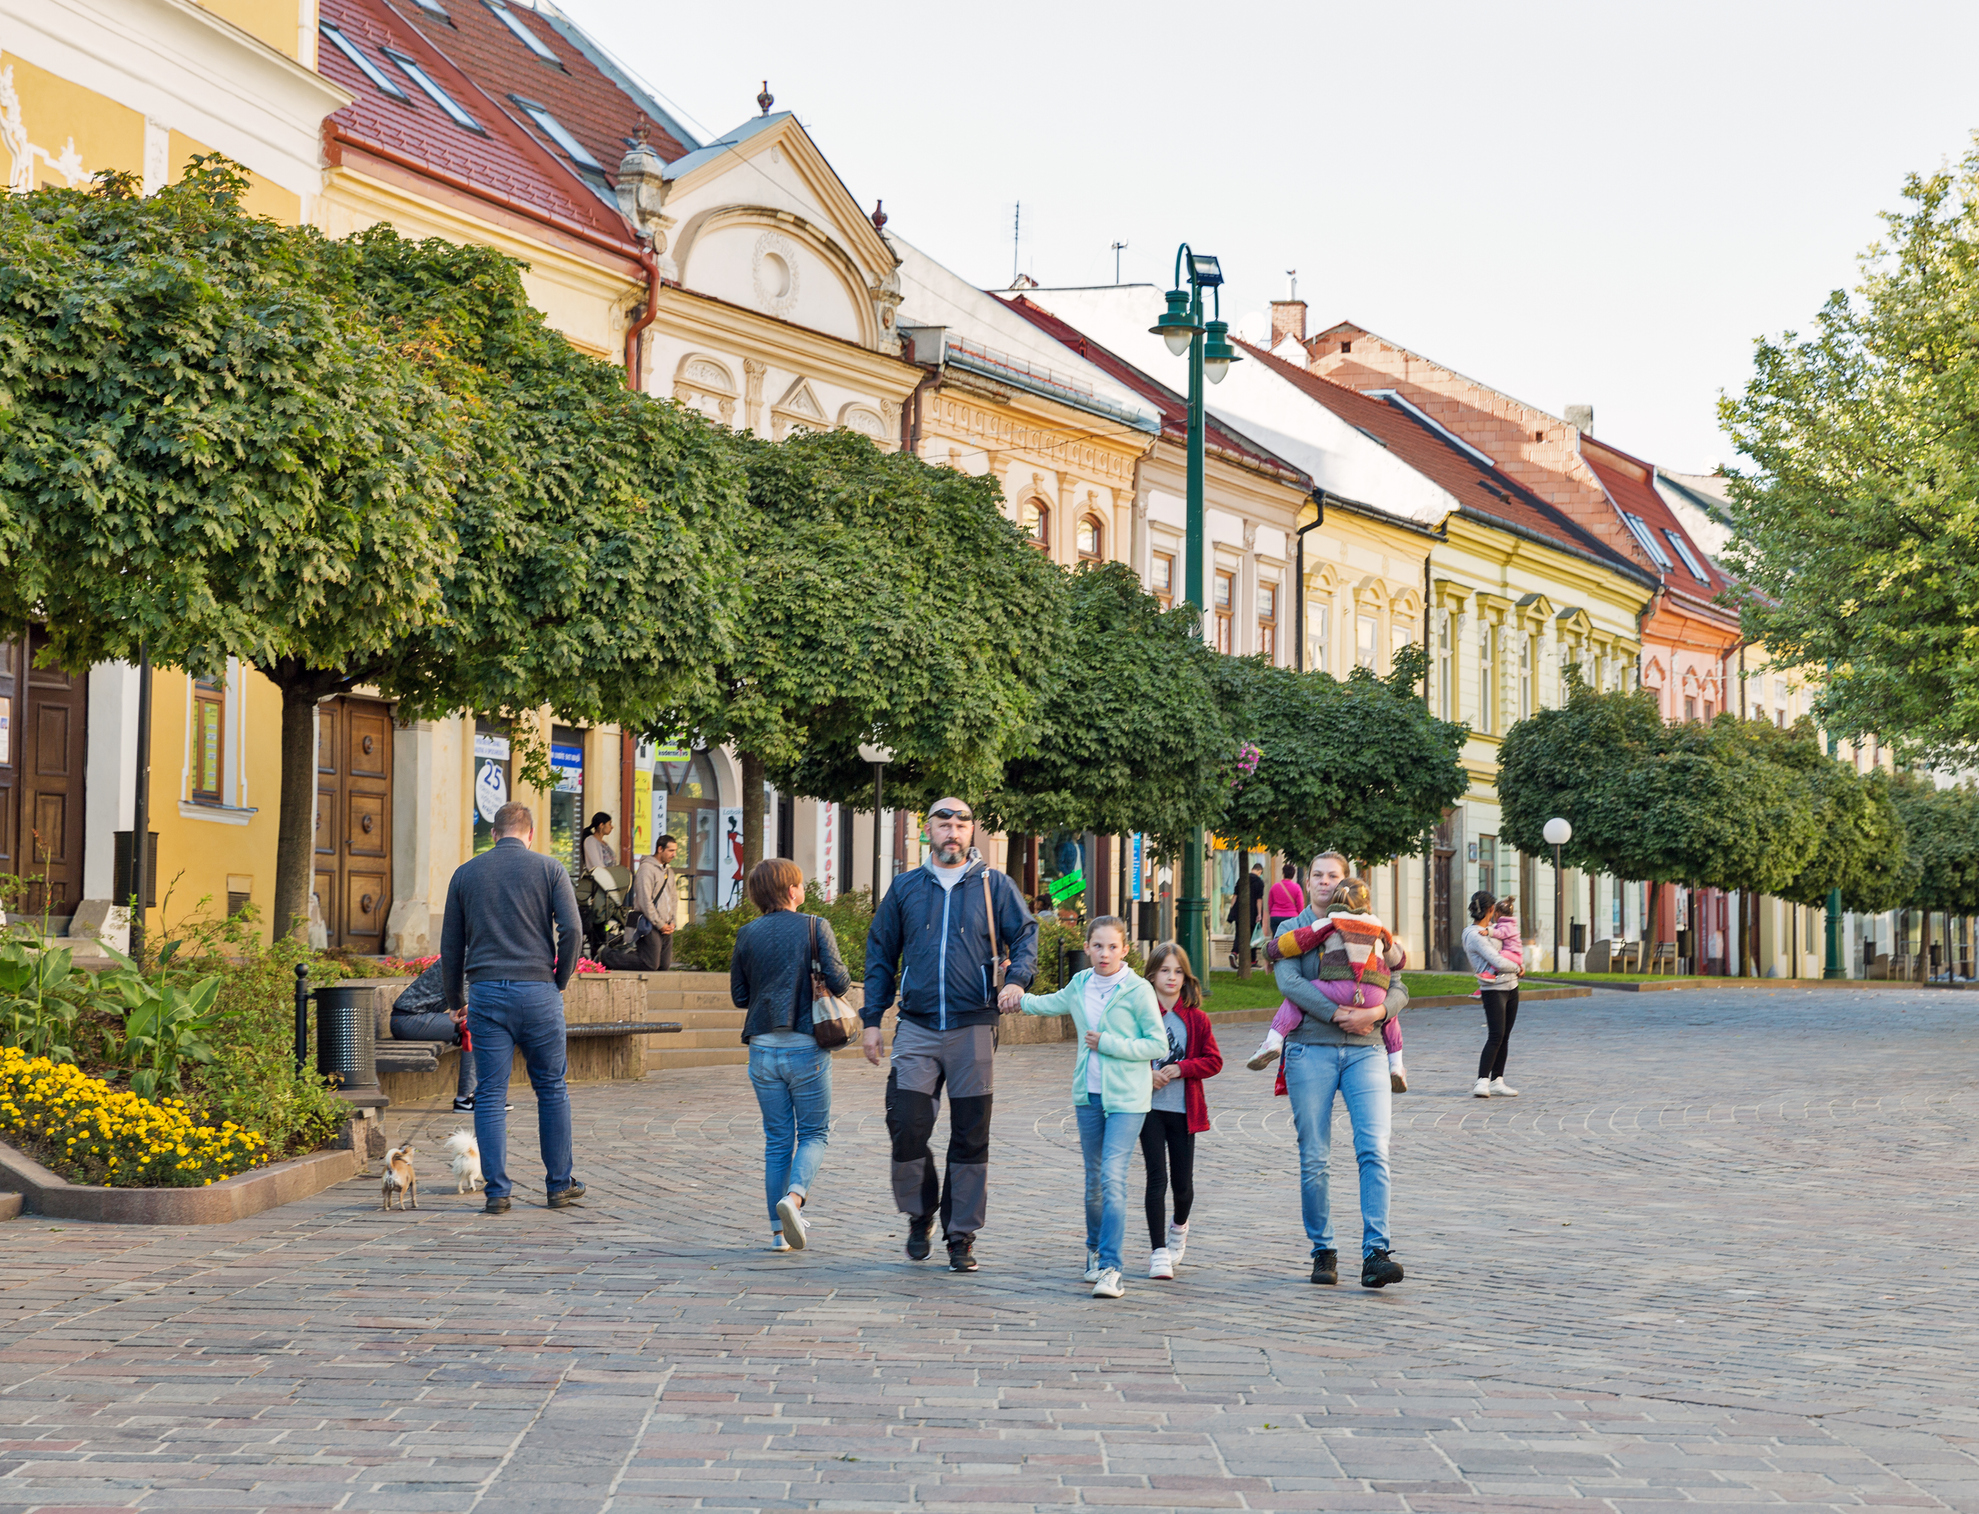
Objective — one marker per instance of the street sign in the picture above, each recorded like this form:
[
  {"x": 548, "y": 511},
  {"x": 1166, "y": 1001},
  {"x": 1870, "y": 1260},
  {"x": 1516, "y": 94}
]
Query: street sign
[{"x": 1070, "y": 886}]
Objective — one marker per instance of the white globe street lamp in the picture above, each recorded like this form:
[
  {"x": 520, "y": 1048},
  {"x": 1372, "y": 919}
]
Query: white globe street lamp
[
  {"x": 879, "y": 756},
  {"x": 1557, "y": 833}
]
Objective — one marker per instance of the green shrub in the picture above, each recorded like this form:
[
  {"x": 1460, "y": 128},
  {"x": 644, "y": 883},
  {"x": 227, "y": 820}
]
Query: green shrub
[
  {"x": 1054, "y": 933},
  {"x": 709, "y": 943}
]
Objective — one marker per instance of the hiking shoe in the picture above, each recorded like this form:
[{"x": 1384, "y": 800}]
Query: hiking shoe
[
  {"x": 1091, "y": 1274},
  {"x": 790, "y": 1209},
  {"x": 1160, "y": 1264},
  {"x": 962, "y": 1255},
  {"x": 563, "y": 1198},
  {"x": 1109, "y": 1285},
  {"x": 1326, "y": 1267},
  {"x": 495, "y": 1206},
  {"x": 918, "y": 1228},
  {"x": 1379, "y": 1269}
]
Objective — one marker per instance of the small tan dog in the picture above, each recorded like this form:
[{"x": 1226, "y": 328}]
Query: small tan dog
[
  {"x": 466, "y": 1161},
  {"x": 399, "y": 1179}
]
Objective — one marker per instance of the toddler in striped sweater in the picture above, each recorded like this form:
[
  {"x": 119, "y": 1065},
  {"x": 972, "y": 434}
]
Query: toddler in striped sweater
[{"x": 1359, "y": 956}]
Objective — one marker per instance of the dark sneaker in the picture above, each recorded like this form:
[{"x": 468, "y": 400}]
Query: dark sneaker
[
  {"x": 962, "y": 1256},
  {"x": 495, "y": 1206},
  {"x": 918, "y": 1230},
  {"x": 1326, "y": 1267},
  {"x": 466, "y": 1106},
  {"x": 563, "y": 1198},
  {"x": 1379, "y": 1269}
]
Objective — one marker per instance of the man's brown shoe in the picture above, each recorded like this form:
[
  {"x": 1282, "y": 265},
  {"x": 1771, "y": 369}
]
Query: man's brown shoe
[{"x": 563, "y": 1198}]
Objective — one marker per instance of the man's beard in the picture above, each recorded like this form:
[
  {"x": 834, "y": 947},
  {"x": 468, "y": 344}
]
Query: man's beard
[{"x": 948, "y": 853}]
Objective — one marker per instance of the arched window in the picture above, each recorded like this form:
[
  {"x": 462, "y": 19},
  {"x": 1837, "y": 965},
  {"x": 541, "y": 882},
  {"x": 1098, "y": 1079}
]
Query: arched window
[
  {"x": 1037, "y": 524},
  {"x": 1091, "y": 539}
]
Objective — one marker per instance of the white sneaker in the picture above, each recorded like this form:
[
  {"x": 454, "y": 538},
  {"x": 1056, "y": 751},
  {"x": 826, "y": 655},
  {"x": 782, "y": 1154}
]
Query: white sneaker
[
  {"x": 1483, "y": 1089},
  {"x": 1265, "y": 1055},
  {"x": 1178, "y": 1242},
  {"x": 790, "y": 1209},
  {"x": 778, "y": 1243},
  {"x": 1091, "y": 1273},
  {"x": 1108, "y": 1284},
  {"x": 1160, "y": 1263},
  {"x": 1500, "y": 1091}
]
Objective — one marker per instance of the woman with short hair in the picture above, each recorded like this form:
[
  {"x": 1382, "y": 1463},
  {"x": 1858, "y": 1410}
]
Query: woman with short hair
[{"x": 769, "y": 975}]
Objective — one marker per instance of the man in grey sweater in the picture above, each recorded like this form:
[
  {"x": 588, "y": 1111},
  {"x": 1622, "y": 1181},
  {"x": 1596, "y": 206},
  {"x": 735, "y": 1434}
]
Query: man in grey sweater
[{"x": 507, "y": 948}]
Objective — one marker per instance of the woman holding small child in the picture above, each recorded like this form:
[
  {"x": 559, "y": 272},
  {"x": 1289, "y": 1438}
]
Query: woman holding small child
[{"x": 1492, "y": 944}]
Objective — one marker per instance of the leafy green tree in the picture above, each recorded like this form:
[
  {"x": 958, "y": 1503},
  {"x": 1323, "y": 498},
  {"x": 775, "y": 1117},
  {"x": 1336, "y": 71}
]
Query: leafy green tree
[
  {"x": 888, "y": 601},
  {"x": 1860, "y": 846},
  {"x": 356, "y": 463},
  {"x": 1858, "y": 528},
  {"x": 1128, "y": 735},
  {"x": 1355, "y": 765},
  {"x": 1942, "y": 828}
]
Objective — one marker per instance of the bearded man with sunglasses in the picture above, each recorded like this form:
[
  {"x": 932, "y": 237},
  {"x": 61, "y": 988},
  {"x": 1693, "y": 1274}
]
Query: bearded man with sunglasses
[{"x": 954, "y": 940}]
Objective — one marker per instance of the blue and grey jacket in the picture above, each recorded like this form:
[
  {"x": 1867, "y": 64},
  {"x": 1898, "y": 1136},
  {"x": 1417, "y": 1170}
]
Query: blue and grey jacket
[{"x": 932, "y": 945}]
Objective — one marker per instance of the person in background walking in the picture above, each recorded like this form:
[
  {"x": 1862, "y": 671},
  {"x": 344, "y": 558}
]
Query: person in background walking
[
  {"x": 507, "y": 949},
  {"x": 1287, "y": 898},
  {"x": 1112, "y": 1084},
  {"x": 769, "y": 975},
  {"x": 655, "y": 906},
  {"x": 945, "y": 935},
  {"x": 1254, "y": 881},
  {"x": 1501, "y": 1005},
  {"x": 1178, "y": 1112}
]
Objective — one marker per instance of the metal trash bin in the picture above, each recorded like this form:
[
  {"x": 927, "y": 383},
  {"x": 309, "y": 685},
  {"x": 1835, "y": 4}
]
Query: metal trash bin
[{"x": 347, "y": 1036}]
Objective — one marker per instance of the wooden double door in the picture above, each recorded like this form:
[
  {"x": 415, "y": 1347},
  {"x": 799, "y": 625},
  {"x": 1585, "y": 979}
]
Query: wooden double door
[
  {"x": 354, "y": 821},
  {"x": 43, "y": 747}
]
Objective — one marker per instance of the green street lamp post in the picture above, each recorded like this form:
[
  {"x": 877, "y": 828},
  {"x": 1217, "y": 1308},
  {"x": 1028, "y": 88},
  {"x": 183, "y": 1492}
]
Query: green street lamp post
[
  {"x": 1832, "y": 967},
  {"x": 1210, "y": 355}
]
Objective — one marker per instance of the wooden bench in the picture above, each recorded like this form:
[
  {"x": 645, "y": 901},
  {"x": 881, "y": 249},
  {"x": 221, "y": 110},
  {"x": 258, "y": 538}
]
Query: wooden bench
[{"x": 412, "y": 1071}]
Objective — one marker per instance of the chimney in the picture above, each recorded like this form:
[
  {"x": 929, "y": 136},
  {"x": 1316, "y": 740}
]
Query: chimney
[
  {"x": 1581, "y": 418},
  {"x": 1288, "y": 316}
]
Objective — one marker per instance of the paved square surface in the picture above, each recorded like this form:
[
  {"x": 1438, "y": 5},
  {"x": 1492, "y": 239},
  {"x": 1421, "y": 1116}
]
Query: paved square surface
[{"x": 1719, "y": 1254}]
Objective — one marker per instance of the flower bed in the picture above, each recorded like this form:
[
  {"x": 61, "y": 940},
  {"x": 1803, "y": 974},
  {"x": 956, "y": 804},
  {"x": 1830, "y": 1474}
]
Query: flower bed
[{"x": 90, "y": 1132}]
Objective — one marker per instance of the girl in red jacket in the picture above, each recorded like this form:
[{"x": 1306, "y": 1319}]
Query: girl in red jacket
[{"x": 1179, "y": 1112}]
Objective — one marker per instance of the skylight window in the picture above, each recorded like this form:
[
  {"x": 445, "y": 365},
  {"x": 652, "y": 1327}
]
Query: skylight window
[
  {"x": 528, "y": 38},
  {"x": 1641, "y": 530},
  {"x": 433, "y": 91},
  {"x": 365, "y": 66},
  {"x": 432, "y": 8},
  {"x": 558, "y": 133},
  {"x": 1690, "y": 561}
]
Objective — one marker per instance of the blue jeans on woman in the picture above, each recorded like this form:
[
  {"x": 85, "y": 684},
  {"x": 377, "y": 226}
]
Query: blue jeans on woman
[
  {"x": 1359, "y": 1075},
  {"x": 1108, "y": 1141},
  {"x": 438, "y": 1026},
  {"x": 793, "y": 1089},
  {"x": 506, "y": 1017}
]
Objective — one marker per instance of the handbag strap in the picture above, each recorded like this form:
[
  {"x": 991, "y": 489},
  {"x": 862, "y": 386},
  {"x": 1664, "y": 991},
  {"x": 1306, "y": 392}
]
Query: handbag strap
[{"x": 804, "y": 979}]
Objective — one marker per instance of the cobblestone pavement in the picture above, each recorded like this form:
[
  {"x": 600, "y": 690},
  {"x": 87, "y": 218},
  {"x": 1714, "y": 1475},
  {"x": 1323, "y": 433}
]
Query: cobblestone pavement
[{"x": 1719, "y": 1254}]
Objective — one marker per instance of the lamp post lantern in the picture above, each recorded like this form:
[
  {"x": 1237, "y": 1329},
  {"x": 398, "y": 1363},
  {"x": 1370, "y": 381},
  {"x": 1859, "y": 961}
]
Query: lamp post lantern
[
  {"x": 1558, "y": 833},
  {"x": 879, "y": 757},
  {"x": 1207, "y": 343}
]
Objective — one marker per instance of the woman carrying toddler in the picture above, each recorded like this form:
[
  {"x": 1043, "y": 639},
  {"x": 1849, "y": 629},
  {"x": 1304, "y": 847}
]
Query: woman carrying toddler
[{"x": 1497, "y": 966}]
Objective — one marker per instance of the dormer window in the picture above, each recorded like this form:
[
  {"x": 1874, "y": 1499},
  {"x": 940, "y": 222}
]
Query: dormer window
[
  {"x": 380, "y": 81},
  {"x": 434, "y": 93},
  {"x": 558, "y": 133},
  {"x": 521, "y": 29},
  {"x": 1683, "y": 550}
]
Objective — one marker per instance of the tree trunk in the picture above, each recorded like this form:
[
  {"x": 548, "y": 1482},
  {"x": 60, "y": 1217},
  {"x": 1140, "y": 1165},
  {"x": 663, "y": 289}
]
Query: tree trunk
[
  {"x": 752, "y": 809},
  {"x": 1649, "y": 926},
  {"x": 1924, "y": 949},
  {"x": 1242, "y": 945},
  {"x": 295, "y": 838}
]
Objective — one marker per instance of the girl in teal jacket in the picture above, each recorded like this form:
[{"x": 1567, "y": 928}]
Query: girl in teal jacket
[{"x": 1112, "y": 1084}]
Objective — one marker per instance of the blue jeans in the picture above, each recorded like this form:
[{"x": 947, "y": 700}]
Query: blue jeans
[
  {"x": 1107, "y": 1140},
  {"x": 438, "y": 1026},
  {"x": 793, "y": 1089},
  {"x": 1358, "y": 1074},
  {"x": 504, "y": 1018}
]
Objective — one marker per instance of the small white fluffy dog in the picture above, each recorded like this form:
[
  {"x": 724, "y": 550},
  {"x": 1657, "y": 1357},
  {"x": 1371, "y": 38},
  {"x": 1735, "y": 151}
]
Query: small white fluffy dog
[{"x": 466, "y": 1161}]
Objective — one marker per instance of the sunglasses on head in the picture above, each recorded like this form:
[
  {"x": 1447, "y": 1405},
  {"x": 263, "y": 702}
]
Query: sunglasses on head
[{"x": 950, "y": 815}]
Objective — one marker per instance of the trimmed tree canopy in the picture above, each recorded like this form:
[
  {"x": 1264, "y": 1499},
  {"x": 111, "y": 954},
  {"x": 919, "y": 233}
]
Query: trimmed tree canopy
[
  {"x": 1357, "y": 765},
  {"x": 1128, "y": 733},
  {"x": 1942, "y": 827},
  {"x": 1859, "y": 529}
]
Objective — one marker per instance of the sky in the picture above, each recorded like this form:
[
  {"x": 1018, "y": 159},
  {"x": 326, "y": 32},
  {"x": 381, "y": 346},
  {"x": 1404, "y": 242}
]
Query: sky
[{"x": 1588, "y": 203}]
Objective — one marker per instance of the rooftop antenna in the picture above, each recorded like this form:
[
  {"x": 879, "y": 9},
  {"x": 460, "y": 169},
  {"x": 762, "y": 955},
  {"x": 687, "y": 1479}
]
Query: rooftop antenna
[
  {"x": 1016, "y": 237},
  {"x": 1117, "y": 246}
]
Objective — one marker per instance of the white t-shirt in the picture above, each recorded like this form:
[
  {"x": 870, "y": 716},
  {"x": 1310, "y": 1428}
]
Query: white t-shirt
[
  {"x": 948, "y": 877},
  {"x": 1098, "y": 991}
]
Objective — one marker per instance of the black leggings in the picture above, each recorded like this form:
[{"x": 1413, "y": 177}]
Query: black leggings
[
  {"x": 1168, "y": 1147},
  {"x": 1501, "y": 1013}
]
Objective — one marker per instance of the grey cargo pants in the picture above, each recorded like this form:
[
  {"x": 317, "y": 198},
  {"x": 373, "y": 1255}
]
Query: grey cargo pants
[{"x": 963, "y": 1059}]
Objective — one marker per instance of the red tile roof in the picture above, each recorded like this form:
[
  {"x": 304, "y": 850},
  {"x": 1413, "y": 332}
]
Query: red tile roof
[
  {"x": 1174, "y": 407},
  {"x": 1630, "y": 483},
  {"x": 1479, "y": 488},
  {"x": 507, "y": 165}
]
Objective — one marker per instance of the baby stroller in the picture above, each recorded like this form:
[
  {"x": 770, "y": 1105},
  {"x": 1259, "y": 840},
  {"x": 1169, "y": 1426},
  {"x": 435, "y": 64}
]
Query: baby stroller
[{"x": 604, "y": 899}]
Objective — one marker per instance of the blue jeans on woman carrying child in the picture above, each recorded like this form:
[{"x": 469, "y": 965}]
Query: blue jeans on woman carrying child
[
  {"x": 1359, "y": 1075},
  {"x": 793, "y": 1089},
  {"x": 1108, "y": 1141},
  {"x": 506, "y": 1017}
]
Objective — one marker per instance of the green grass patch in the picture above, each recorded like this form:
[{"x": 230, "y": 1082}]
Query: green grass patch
[{"x": 1226, "y": 991}]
